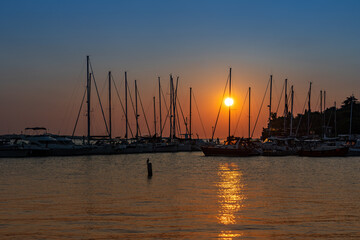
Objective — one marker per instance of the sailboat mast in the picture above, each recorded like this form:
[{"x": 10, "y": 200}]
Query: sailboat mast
[
  {"x": 171, "y": 103},
  {"x": 190, "y": 133},
  {"x": 321, "y": 101},
  {"x": 249, "y": 110},
  {"x": 160, "y": 124},
  {"x": 110, "y": 104},
  {"x": 324, "y": 114},
  {"x": 136, "y": 112},
  {"x": 88, "y": 90},
  {"x": 335, "y": 120},
  {"x": 286, "y": 107},
  {"x": 270, "y": 104},
  {"x": 292, "y": 108},
  {"x": 126, "y": 108},
  {"x": 351, "y": 113},
  {"x": 174, "y": 106},
  {"x": 229, "y": 97},
  {"x": 321, "y": 113},
  {"x": 309, "y": 111},
  {"x": 154, "y": 117}
]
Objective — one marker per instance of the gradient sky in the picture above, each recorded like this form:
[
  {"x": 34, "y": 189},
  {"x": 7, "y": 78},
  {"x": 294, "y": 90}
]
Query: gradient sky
[{"x": 44, "y": 46}]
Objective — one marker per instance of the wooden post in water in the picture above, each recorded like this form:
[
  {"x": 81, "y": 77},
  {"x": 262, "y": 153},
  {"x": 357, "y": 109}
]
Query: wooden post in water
[{"x": 149, "y": 168}]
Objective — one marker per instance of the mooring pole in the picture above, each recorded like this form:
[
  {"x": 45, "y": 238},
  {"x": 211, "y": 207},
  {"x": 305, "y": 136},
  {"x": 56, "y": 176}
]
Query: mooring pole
[{"x": 149, "y": 168}]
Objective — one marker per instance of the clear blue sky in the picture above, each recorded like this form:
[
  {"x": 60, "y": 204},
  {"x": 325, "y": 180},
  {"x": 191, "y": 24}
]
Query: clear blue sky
[{"x": 44, "y": 44}]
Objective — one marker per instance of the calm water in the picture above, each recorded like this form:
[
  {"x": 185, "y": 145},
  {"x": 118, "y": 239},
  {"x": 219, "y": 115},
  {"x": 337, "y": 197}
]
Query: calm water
[{"x": 189, "y": 197}]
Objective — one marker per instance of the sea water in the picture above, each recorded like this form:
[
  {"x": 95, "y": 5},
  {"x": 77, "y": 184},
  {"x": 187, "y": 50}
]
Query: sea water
[{"x": 189, "y": 196}]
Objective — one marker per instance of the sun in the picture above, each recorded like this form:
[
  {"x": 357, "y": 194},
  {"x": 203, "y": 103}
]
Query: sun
[{"x": 229, "y": 102}]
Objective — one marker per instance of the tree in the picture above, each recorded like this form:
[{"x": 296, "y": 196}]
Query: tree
[
  {"x": 317, "y": 123},
  {"x": 348, "y": 101}
]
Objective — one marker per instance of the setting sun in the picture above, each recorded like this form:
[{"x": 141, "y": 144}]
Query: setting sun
[{"x": 229, "y": 102}]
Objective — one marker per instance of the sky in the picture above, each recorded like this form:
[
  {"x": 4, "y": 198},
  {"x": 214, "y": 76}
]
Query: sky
[{"x": 44, "y": 45}]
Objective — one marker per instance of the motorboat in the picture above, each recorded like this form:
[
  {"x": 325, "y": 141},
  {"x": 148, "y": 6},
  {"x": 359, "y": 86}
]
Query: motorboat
[{"x": 279, "y": 146}]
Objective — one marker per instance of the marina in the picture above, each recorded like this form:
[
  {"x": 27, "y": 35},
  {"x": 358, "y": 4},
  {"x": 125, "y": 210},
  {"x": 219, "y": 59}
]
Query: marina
[
  {"x": 316, "y": 141},
  {"x": 190, "y": 120}
]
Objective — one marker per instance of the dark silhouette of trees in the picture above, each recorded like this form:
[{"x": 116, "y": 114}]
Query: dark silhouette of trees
[{"x": 317, "y": 126}]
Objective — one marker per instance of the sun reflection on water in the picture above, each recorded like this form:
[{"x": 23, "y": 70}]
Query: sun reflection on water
[
  {"x": 231, "y": 196},
  {"x": 228, "y": 235}
]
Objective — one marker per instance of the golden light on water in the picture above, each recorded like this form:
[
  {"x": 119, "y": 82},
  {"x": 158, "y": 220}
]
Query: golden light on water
[
  {"x": 231, "y": 196},
  {"x": 229, "y": 102},
  {"x": 228, "y": 235}
]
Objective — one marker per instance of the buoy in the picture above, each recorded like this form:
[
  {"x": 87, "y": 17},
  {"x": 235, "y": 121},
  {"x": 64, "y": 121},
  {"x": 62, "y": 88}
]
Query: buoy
[{"x": 149, "y": 168}]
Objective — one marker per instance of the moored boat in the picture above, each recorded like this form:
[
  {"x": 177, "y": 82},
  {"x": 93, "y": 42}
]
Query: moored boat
[
  {"x": 233, "y": 147},
  {"x": 354, "y": 147},
  {"x": 12, "y": 149},
  {"x": 278, "y": 146},
  {"x": 317, "y": 148}
]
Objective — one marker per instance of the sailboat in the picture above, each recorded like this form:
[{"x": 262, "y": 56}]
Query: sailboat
[
  {"x": 233, "y": 146},
  {"x": 322, "y": 148},
  {"x": 280, "y": 145}
]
